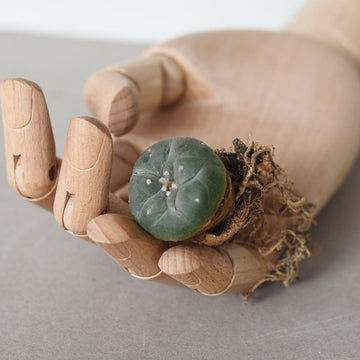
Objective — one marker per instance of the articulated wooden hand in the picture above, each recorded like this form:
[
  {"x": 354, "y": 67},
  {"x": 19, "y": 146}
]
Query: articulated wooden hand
[{"x": 298, "y": 94}]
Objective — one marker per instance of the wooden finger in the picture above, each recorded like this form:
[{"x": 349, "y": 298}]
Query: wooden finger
[
  {"x": 130, "y": 246},
  {"x": 117, "y": 205},
  {"x": 117, "y": 94},
  {"x": 83, "y": 186},
  {"x": 123, "y": 193},
  {"x": 125, "y": 156},
  {"x": 214, "y": 271},
  {"x": 32, "y": 167}
]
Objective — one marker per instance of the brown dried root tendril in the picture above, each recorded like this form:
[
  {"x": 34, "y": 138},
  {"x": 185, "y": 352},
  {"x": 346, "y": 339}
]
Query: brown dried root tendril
[{"x": 270, "y": 215}]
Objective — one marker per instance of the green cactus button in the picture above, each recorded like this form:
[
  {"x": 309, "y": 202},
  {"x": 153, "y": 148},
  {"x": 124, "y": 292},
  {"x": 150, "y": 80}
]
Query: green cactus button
[{"x": 176, "y": 188}]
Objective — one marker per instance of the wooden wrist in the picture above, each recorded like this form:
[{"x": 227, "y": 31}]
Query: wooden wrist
[{"x": 335, "y": 23}]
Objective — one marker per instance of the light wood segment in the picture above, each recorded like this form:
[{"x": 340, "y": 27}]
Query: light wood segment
[
  {"x": 47, "y": 201},
  {"x": 117, "y": 94},
  {"x": 120, "y": 173},
  {"x": 214, "y": 271},
  {"x": 159, "y": 79},
  {"x": 123, "y": 193},
  {"x": 332, "y": 22},
  {"x": 31, "y": 164},
  {"x": 201, "y": 268},
  {"x": 125, "y": 156},
  {"x": 83, "y": 186},
  {"x": 174, "y": 82},
  {"x": 249, "y": 267},
  {"x": 130, "y": 246},
  {"x": 113, "y": 98},
  {"x": 147, "y": 76},
  {"x": 117, "y": 205}
]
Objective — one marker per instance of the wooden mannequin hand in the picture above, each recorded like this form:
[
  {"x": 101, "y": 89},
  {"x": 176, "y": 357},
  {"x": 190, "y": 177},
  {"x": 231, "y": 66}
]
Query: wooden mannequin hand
[
  {"x": 295, "y": 93},
  {"x": 79, "y": 192}
]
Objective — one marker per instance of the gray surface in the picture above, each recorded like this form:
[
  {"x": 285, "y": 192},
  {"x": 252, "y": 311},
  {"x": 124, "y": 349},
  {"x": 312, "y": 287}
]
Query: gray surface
[{"x": 62, "y": 298}]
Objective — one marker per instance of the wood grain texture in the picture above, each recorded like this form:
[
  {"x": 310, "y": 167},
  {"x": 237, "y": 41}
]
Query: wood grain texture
[
  {"x": 117, "y": 205},
  {"x": 125, "y": 156},
  {"x": 201, "y": 268},
  {"x": 117, "y": 94},
  {"x": 130, "y": 246},
  {"x": 335, "y": 23},
  {"x": 214, "y": 271},
  {"x": 83, "y": 186},
  {"x": 113, "y": 98},
  {"x": 31, "y": 165},
  {"x": 123, "y": 192}
]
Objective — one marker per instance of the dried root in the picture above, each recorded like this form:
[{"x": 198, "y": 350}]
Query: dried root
[{"x": 269, "y": 214}]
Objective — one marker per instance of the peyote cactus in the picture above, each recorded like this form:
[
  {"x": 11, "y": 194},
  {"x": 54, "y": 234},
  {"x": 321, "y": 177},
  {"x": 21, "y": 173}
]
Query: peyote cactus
[{"x": 177, "y": 187}]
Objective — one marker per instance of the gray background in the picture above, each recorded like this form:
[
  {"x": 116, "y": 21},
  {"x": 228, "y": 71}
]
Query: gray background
[{"x": 63, "y": 298}]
